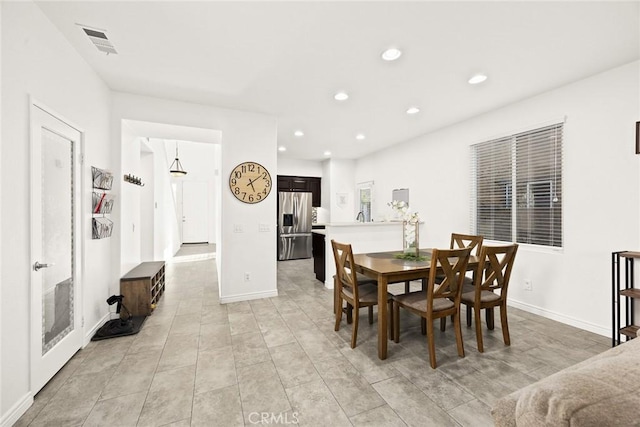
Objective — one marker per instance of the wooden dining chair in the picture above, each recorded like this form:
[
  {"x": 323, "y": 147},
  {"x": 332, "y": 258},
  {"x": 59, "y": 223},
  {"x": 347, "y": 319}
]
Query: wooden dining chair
[
  {"x": 459, "y": 240},
  {"x": 467, "y": 241},
  {"x": 440, "y": 299},
  {"x": 490, "y": 288},
  {"x": 357, "y": 290}
]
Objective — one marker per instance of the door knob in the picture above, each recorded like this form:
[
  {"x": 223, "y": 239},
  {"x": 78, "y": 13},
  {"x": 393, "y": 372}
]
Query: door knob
[{"x": 37, "y": 266}]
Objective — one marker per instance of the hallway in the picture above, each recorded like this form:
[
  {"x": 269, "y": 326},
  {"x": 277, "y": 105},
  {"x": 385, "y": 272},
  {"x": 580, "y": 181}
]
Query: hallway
[{"x": 278, "y": 360}]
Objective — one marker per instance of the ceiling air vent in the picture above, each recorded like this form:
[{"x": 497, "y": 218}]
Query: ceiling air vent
[{"x": 100, "y": 40}]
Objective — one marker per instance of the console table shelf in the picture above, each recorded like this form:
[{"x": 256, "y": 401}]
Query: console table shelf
[
  {"x": 623, "y": 296},
  {"x": 142, "y": 287}
]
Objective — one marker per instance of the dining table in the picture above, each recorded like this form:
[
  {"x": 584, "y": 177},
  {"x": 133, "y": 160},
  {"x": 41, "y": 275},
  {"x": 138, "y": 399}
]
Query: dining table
[{"x": 387, "y": 268}]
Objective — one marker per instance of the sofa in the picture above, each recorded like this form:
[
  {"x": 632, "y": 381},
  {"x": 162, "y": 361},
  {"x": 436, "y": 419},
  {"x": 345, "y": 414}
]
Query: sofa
[{"x": 603, "y": 390}]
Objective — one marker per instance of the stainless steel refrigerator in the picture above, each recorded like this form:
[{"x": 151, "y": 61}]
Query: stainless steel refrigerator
[{"x": 294, "y": 225}]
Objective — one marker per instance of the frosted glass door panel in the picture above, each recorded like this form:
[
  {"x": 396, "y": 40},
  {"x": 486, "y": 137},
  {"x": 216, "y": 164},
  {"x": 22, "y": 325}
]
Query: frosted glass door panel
[{"x": 57, "y": 239}]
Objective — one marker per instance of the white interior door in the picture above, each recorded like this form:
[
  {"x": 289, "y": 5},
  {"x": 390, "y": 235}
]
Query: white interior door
[
  {"x": 55, "y": 217},
  {"x": 195, "y": 212}
]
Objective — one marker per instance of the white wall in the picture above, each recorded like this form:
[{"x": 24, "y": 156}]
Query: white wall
[
  {"x": 340, "y": 184},
  {"x": 601, "y": 190},
  {"x": 38, "y": 61},
  {"x": 147, "y": 203},
  {"x": 242, "y": 133},
  {"x": 295, "y": 167},
  {"x": 127, "y": 225}
]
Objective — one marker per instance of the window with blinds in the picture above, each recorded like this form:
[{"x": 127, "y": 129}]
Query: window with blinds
[{"x": 517, "y": 187}]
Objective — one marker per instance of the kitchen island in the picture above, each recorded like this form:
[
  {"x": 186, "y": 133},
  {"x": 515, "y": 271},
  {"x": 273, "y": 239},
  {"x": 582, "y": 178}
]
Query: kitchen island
[{"x": 363, "y": 237}]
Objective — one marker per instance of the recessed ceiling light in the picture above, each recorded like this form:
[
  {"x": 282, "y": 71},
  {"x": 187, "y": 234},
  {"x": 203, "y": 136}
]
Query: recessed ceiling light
[
  {"x": 478, "y": 78},
  {"x": 341, "y": 96},
  {"x": 413, "y": 110},
  {"x": 327, "y": 153},
  {"x": 360, "y": 136},
  {"x": 282, "y": 148},
  {"x": 391, "y": 54},
  {"x": 298, "y": 133}
]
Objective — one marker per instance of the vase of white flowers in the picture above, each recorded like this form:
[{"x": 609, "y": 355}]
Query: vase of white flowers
[{"x": 410, "y": 228}]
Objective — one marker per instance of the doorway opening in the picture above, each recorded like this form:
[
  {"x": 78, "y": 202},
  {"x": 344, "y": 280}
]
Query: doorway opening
[{"x": 169, "y": 211}]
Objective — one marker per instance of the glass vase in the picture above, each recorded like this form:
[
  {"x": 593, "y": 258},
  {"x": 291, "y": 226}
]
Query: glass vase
[{"x": 410, "y": 243}]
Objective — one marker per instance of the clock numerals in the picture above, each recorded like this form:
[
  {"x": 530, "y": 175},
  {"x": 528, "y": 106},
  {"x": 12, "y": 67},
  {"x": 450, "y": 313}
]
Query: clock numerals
[{"x": 250, "y": 182}]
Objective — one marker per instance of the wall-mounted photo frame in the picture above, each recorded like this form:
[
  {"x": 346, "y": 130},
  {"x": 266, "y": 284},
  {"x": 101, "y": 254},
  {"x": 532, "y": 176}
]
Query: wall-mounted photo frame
[
  {"x": 342, "y": 199},
  {"x": 637, "y": 137}
]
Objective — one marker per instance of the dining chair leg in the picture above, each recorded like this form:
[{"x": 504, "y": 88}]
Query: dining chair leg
[
  {"x": 479, "y": 329},
  {"x": 390, "y": 320},
  {"x": 336, "y": 292},
  {"x": 354, "y": 334},
  {"x": 371, "y": 315},
  {"x": 423, "y": 326},
  {"x": 505, "y": 325},
  {"x": 338, "y": 313},
  {"x": 350, "y": 313},
  {"x": 431, "y": 343},
  {"x": 396, "y": 322},
  {"x": 489, "y": 318},
  {"x": 443, "y": 323},
  {"x": 457, "y": 326},
  {"x": 468, "y": 315}
]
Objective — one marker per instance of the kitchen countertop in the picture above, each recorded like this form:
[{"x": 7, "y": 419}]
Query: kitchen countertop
[
  {"x": 319, "y": 231},
  {"x": 360, "y": 224}
]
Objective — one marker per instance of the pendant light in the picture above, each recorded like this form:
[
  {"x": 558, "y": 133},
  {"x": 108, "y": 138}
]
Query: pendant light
[{"x": 176, "y": 168}]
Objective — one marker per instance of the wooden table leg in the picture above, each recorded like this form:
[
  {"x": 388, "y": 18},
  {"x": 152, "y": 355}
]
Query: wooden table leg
[{"x": 383, "y": 317}]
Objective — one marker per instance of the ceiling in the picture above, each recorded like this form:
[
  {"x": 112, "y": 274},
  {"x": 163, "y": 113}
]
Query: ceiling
[{"x": 288, "y": 59}]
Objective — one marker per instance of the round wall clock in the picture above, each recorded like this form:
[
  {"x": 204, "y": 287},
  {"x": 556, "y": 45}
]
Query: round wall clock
[{"x": 250, "y": 182}]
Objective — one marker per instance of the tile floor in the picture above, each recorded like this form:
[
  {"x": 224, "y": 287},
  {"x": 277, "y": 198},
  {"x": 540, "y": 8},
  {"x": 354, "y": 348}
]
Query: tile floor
[{"x": 279, "y": 361}]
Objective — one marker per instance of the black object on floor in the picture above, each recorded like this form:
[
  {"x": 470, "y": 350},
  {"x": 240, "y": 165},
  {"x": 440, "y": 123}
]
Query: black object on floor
[{"x": 119, "y": 328}]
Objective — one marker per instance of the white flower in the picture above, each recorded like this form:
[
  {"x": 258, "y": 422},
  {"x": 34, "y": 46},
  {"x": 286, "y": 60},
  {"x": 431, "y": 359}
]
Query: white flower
[{"x": 402, "y": 208}]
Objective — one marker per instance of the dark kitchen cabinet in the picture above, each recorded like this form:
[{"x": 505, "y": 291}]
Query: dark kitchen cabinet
[
  {"x": 318, "y": 247},
  {"x": 302, "y": 183},
  {"x": 314, "y": 186}
]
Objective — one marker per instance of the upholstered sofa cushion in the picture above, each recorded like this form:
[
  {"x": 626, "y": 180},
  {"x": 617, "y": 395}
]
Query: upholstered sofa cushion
[{"x": 602, "y": 390}]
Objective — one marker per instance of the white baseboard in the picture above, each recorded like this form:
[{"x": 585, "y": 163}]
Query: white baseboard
[
  {"x": 13, "y": 415},
  {"x": 87, "y": 338},
  {"x": 249, "y": 296},
  {"x": 591, "y": 327}
]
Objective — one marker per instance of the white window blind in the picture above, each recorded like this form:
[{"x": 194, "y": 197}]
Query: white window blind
[{"x": 517, "y": 187}]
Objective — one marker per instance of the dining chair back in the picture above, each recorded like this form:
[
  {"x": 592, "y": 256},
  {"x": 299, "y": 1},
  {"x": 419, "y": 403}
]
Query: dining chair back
[
  {"x": 466, "y": 241},
  {"x": 440, "y": 299},
  {"x": 491, "y": 286},
  {"x": 354, "y": 289}
]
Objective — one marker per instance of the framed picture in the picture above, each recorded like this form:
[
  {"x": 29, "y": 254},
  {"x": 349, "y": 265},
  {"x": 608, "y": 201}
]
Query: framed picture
[{"x": 637, "y": 137}]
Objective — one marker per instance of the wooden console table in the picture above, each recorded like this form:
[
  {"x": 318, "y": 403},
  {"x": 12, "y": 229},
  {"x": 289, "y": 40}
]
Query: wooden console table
[{"x": 142, "y": 287}]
